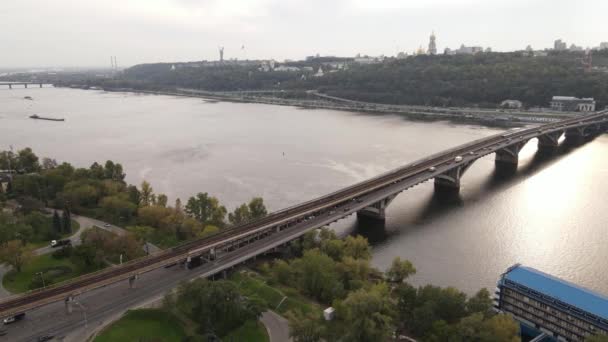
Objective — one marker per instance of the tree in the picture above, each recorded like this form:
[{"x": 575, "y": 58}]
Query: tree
[
  {"x": 178, "y": 205},
  {"x": 56, "y": 225},
  {"x": 134, "y": 195},
  {"x": 316, "y": 275},
  {"x": 240, "y": 215},
  {"x": 161, "y": 200},
  {"x": 118, "y": 208},
  {"x": 257, "y": 209},
  {"x": 305, "y": 327},
  {"x": 66, "y": 222},
  {"x": 357, "y": 247},
  {"x": 147, "y": 197},
  {"x": 354, "y": 273},
  {"x": 206, "y": 209},
  {"x": 400, "y": 270},
  {"x": 597, "y": 338},
  {"x": 216, "y": 306},
  {"x": 16, "y": 254},
  {"x": 499, "y": 328},
  {"x": 27, "y": 161},
  {"x": 480, "y": 302},
  {"x": 367, "y": 315}
]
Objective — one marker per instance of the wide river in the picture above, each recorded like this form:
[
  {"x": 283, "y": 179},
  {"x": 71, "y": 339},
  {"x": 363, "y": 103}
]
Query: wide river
[{"x": 551, "y": 214}]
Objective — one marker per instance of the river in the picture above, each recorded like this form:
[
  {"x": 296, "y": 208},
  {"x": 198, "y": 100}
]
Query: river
[{"x": 549, "y": 215}]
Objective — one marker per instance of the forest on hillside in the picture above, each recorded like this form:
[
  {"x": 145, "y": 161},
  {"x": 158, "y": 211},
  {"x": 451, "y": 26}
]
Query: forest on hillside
[{"x": 484, "y": 79}]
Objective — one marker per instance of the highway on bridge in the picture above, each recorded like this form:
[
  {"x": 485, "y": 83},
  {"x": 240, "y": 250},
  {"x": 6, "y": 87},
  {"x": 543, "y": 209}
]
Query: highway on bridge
[{"x": 236, "y": 245}]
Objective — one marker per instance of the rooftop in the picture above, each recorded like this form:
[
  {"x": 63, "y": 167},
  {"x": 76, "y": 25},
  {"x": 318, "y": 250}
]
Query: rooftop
[
  {"x": 571, "y": 98},
  {"x": 569, "y": 293}
]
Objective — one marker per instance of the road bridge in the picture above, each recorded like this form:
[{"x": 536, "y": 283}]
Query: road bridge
[
  {"x": 233, "y": 246},
  {"x": 10, "y": 85}
]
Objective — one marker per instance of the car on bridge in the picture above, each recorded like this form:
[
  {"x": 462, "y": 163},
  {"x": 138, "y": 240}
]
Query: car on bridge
[
  {"x": 432, "y": 169},
  {"x": 458, "y": 159}
]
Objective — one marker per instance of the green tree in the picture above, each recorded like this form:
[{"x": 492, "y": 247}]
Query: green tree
[
  {"x": 480, "y": 302},
  {"x": 316, "y": 274},
  {"x": 305, "y": 327},
  {"x": 66, "y": 222},
  {"x": 161, "y": 200},
  {"x": 597, "y": 338},
  {"x": 240, "y": 215},
  {"x": 367, "y": 315},
  {"x": 216, "y": 306},
  {"x": 257, "y": 209},
  {"x": 357, "y": 247},
  {"x": 206, "y": 209},
  {"x": 16, "y": 254},
  {"x": 354, "y": 273},
  {"x": 147, "y": 196},
  {"x": 474, "y": 328},
  {"x": 117, "y": 208},
  {"x": 56, "y": 225},
  {"x": 28, "y": 161},
  {"x": 400, "y": 270}
]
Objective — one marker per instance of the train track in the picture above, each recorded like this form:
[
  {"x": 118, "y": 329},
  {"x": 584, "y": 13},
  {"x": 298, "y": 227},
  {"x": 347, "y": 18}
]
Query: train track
[{"x": 105, "y": 277}]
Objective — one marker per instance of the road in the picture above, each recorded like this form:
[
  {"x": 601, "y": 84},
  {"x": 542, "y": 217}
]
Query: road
[
  {"x": 276, "y": 325},
  {"x": 107, "y": 302}
]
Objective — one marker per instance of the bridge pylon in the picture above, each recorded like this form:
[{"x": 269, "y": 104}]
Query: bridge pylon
[
  {"x": 549, "y": 141},
  {"x": 450, "y": 181},
  {"x": 509, "y": 156},
  {"x": 377, "y": 210}
]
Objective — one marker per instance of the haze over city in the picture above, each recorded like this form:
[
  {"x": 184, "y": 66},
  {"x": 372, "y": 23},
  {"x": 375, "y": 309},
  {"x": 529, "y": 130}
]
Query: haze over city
[{"x": 66, "y": 33}]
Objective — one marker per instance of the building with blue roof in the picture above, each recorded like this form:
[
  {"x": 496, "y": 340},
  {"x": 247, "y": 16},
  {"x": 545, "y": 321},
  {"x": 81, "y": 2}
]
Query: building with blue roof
[{"x": 560, "y": 309}]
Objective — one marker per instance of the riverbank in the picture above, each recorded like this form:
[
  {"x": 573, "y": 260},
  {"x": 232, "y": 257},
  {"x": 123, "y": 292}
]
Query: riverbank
[{"x": 485, "y": 117}]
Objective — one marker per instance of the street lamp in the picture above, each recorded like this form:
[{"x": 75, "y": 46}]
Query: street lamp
[{"x": 41, "y": 277}]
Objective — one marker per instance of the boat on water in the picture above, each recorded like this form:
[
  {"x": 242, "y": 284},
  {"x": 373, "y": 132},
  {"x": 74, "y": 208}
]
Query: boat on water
[
  {"x": 27, "y": 98},
  {"x": 37, "y": 117}
]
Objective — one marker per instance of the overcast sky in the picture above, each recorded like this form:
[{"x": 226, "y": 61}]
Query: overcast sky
[{"x": 65, "y": 33}]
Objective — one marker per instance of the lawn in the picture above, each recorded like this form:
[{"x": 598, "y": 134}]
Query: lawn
[
  {"x": 253, "y": 284},
  {"x": 54, "y": 271},
  {"x": 144, "y": 325},
  {"x": 251, "y": 331}
]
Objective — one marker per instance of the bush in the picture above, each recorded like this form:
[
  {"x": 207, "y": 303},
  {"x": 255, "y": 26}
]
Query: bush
[{"x": 64, "y": 252}]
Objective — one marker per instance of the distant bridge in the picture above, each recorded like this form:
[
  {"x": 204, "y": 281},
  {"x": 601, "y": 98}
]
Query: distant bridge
[
  {"x": 24, "y": 84},
  {"x": 370, "y": 198}
]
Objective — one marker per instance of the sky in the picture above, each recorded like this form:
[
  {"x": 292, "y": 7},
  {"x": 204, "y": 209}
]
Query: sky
[{"x": 85, "y": 33}]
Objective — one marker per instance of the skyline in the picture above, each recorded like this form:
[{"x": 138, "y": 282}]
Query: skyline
[{"x": 86, "y": 33}]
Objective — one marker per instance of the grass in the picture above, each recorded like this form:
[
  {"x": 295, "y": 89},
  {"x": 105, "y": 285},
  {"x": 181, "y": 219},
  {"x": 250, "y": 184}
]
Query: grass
[
  {"x": 144, "y": 325},
  {"x": 253, "y": 284},
  {"x": 54, "y": 271},
  {"x": 251, "y": 331}
]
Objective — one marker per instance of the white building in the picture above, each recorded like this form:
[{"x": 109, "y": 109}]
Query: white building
[
  {"x": 572, "y": 104},
  {"x": 511, "y": 104},
  {"x": 287, "y": 68}
]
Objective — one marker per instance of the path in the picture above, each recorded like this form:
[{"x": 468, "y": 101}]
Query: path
[{"x": 276, "y": 325}]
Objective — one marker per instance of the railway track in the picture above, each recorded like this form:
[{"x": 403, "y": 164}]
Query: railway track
[{"x": 105, "y": 277}]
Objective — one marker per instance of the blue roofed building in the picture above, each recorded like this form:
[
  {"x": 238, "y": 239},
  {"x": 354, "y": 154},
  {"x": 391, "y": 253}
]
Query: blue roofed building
[{"x": 555, "y": 307}]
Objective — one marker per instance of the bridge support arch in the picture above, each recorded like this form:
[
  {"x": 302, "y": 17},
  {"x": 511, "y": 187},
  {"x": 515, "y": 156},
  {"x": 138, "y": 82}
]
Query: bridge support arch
[
  {"x": 549, "y": 141},
  {"x": 450, "y": 181},
  {"x": 509, "y": 156},
  {"x": 377, "y": 210},
  {"x": 575, "y": 136}
]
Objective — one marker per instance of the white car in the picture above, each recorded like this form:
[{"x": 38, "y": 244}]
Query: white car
[{"x": 458, "y": 159}]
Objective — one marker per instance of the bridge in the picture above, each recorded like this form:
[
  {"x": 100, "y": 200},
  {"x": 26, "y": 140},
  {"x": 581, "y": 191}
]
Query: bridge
[
  {"x": 24, "y": 84},
  {"x": 234, "y": 246}
]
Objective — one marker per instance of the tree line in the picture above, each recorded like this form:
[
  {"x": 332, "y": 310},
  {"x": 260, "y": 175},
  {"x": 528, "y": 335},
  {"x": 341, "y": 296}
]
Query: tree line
[
  {"x": 484, "y": 79},
  {"x": 100, "y": 191}
]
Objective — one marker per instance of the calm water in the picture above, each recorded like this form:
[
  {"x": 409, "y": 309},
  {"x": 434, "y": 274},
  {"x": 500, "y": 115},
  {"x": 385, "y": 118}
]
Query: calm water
[{"x": 550, "y": 215}]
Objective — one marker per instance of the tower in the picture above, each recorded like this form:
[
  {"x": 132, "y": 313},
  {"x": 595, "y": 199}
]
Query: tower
[
  {"x": 432, "y": 45},
  {"x": 221, "y": 54}
]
